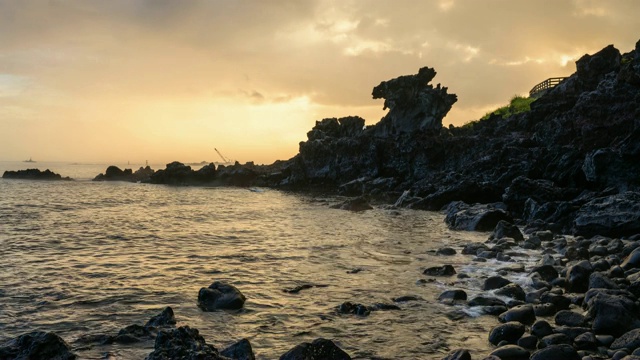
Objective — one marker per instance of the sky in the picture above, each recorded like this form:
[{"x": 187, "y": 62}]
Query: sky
[{"x": 159, "y": 80}]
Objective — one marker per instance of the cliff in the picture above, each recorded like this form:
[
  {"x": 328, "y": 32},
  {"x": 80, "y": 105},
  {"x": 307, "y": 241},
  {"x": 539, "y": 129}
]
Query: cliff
[{"x": 579, "y": 142}]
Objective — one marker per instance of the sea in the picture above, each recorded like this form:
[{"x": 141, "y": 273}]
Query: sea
[{"x": 83, "y": 257}]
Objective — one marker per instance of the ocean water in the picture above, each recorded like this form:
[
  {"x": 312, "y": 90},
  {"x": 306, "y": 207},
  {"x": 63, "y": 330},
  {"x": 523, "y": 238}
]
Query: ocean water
[{"x": 85, "y": 257}]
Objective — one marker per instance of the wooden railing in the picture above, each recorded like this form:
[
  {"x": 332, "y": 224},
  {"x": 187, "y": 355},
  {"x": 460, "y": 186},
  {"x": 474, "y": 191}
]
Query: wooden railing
[{"x": 545, "y": 85}]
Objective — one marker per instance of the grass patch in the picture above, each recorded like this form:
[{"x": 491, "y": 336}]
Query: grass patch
[{"x": 518, "y": 104}]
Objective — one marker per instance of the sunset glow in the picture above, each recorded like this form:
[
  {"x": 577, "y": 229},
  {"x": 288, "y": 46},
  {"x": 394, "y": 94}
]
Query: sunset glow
[{"x": 162, "y": 81}]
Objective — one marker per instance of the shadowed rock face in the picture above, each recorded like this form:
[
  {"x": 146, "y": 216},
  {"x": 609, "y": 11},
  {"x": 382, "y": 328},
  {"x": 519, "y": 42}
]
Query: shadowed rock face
[{"x": 413, "y": 104}]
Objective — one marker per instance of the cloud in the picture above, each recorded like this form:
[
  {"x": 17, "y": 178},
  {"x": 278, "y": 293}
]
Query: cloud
[{"x": 89, "y": 57}]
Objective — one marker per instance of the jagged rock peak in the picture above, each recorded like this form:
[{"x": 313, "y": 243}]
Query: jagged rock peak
[{"x": 413, "y": 104}]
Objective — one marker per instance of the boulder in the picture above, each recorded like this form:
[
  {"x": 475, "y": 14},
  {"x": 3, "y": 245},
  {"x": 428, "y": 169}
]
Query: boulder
[
  {"x": 505, "y": 229},
  {"x": 555, "y": 352},
  {"x": 460, "y": 354},
  {"x": 513, "y": 291},
  {"x": 182, "y": 343},
  {"x": 511, "y": 352},
  {"x": 36, "y": 345},
  {"x": 522, "y": 313},
  {"x": 220, "y": 296},
  {"x": 614, "y": 216},
  {"x": 577, "y": 279},
  {"x": 612, "y": 314},
  {"x": 632, "y": 261},
  {"x": 451, "y": 296},
  {"x": 318, "y": 349},
  {"x": 569, "y": 318},
  {"x": 240, "y": 350},
  {"x": 509, "y": 332},
  {"x": 443, "y": 270},
  {"x": 166, "y": 318},
  {"x": 495, "y": 282},
  {"x": 479, "y": 217}
]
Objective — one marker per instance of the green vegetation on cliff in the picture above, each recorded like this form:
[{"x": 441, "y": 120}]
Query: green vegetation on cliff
[{"x": 518, "y": 104}]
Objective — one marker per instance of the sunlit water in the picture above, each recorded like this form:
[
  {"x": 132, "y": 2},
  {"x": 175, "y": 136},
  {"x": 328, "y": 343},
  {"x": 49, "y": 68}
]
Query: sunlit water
[{"x": 86, "y": 257}]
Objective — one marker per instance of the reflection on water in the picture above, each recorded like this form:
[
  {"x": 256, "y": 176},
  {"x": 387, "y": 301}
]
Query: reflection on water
[{"x": 83, "y": 258}]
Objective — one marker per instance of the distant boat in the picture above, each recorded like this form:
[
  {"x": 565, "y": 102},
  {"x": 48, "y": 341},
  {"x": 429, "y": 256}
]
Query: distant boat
[{"x": 30, "y": 160}]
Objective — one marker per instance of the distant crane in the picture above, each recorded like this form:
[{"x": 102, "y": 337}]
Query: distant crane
[{"x": 225, "y": 160}]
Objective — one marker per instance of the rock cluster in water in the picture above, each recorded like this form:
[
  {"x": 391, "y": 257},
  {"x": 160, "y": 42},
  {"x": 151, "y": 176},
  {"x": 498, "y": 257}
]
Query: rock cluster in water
[
  {"x": 33, "y": 174},
  {"x": 170, "y": 343},
  {"x": 581, "y": 301}
]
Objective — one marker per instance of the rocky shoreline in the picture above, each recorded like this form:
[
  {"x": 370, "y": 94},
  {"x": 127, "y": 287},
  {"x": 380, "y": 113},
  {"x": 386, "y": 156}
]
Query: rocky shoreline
[{"x": 562, "y": 179}]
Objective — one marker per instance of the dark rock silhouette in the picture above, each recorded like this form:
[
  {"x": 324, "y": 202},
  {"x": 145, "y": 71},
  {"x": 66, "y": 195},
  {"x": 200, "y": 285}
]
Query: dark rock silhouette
[
  {"x": 114, "y": 173},
  {"x": 220, "y": 296},
  {"x": 182, "y": 343},
  {"x": 36, "y": 345},
  {"x": 318, "y": 349},
  {"x": 413, "y": 104},
  {"x": 33, "y": 174}
]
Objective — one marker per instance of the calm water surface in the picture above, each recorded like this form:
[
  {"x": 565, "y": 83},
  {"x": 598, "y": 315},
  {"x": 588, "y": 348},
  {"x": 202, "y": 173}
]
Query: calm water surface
[{"x": 85, "y": 257}]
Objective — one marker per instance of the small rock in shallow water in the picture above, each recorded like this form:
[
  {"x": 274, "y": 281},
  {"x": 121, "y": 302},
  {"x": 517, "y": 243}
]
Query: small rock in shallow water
[
  {"x": 165, "y": 318},
  {"x": 406, "y": 298},
  {"x": 447, "y": 251},
  {"x": 319, "y": 349},
  {"x": 36, "y": 345},
  {"x": 461, "y": 354},
  {"x": 495, "y": 282},
  {"x": 182, "y": 343},
  {"x": 220, "y": 296},
  {"x": 522, "y": 313},
  {"x": 240, "y": 350},
  {"x": 453, "y": 296},
  {"x": 444, "y": 270}
]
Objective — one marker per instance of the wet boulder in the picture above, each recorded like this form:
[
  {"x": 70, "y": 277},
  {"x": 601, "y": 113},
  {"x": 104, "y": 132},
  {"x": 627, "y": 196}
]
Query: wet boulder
[
  {"x": 615, "y": 215},
  {"x": 318, "y": 349},
  {"x": 478, "y": 217},
  {"x": 556, "y": 352},
  {"x": 166, "y": 318},
  {"x": 541, "y": 328},
  {"x": 220, "y": 296},
  {"x": 352, "y": 308},
  {"x": 460, "y": 354},
  {"x": 452, "y": 296},
  {"x": 554, "y": 339},
  {"x": 509, "y": 332},
  {"x": 511, "y": 352},
  {"x": 240, "y": 350},
  {"x": 577, "y": 279},
  {"x": 506, "y": 229},
  {"x": 522, "y": 313},
  {"x": 444, "y": 270},
  {"x": 513, "y": 291},
  {"x": 569, "y": 318},
  {"x": 629, "y": 340},
  {"x": 182, "y": 343},
  {"x": 632, "y": 261},
  {"x": 36, "y": 345},
  {"x": 612, "y": 314},
  {"x": 495, "y": 282},
  {"x": 546, "y": 272}
]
